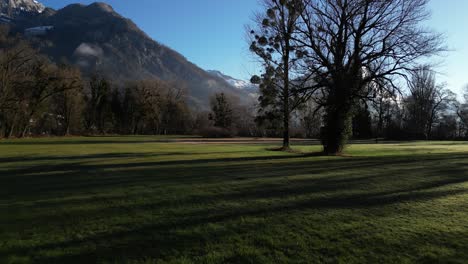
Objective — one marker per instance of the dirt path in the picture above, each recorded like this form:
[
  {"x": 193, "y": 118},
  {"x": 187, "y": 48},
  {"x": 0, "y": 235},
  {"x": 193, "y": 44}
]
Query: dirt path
[{"x": 243, "y": 141}]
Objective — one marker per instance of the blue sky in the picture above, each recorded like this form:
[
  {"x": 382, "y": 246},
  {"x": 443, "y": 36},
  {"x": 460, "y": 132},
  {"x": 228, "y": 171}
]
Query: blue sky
[{"x": 211, "y": 33}]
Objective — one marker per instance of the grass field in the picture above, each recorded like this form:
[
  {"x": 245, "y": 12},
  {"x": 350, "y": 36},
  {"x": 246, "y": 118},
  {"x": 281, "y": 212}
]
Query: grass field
[{"x": 140, "y": 200}]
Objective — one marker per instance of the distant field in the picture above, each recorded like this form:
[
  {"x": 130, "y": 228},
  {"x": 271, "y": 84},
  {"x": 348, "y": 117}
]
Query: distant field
[{"x": 168, "y": 200}]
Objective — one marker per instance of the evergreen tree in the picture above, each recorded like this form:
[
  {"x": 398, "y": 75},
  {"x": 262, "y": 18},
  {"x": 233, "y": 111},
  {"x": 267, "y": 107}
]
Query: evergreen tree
[{"x": 222, "y": 112}]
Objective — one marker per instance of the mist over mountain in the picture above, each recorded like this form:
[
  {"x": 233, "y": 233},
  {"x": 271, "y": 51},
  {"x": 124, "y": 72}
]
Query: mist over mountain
[
  {"x": 242, "y": 85},
  {"x": 99, "y": 40}
]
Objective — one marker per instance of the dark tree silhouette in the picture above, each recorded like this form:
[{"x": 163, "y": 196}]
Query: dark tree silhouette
[
  {"x": 425, "y": 102},
  {"x": 29, "y": 83},
  {"x": 98, "y": 104},
  {"x": 222, "y": 112},
  {"x": 67, "y": 102},
  {"x": 362, "y": 122},
  {"x": 462, "y": 113},
  {"x": 382, "y": 104},
  {"x": 282, "y": 91},
  {"x": 354, "y": 46}
]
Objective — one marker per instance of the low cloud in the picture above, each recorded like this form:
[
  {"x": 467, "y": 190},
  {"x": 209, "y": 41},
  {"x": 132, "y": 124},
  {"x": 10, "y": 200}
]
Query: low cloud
[{"x": 86, "y": 50}]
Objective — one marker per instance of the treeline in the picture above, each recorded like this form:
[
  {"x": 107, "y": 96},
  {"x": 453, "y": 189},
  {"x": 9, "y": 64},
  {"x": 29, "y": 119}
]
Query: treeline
[
  {"x": 41, "y": 98},
  {"x": 140, "y": 107},
  {"x": 38, "y": 97},
  {"x": 427, "y": 111},
  {"x": 32, "y": 90}
]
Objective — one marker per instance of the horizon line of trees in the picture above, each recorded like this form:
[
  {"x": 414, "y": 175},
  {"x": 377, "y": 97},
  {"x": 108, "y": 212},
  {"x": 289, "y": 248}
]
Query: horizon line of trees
[{"x": 41, "y": 98}]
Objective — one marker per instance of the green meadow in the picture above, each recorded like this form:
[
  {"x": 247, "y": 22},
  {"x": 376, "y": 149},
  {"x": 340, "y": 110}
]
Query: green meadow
[{"x": 154, "y": 200}]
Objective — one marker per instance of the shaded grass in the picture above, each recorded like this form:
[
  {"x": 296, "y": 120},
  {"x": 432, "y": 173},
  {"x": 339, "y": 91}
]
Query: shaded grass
[{"x": 138, "y": 200}]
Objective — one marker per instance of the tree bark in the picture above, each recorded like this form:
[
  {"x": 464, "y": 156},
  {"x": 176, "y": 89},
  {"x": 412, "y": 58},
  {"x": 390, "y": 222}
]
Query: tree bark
[
  {"x": 286, "y": 137},
  {"x": 337, "y": 132},
  {"x": 338, "y": 123},
  {"x": 286, "y": 113},
  {"x": 286, "y": 94}
]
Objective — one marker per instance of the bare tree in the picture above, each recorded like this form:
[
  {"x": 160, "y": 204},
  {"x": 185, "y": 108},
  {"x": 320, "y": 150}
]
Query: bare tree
[
  {"x": 48, "y": 80},
  {"x": 382, "y": 104},
  {"x": 425, "y": 103},
  {"x": 175, "y": 113},
  {"x": 28, "y": 81},
  {"x": 355, "y": 46},
  {"x": 16, "y": 76},
  {"x": 155, "y": 107},
  {"x": 310, "y": 119},
  {"x": 67, "y": 102},
  {"x": 142, "y": 104},
  {"x": 462, "y": 113}
]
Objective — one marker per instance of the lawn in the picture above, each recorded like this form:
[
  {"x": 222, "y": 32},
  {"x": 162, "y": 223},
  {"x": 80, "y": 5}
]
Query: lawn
[{"x": 145, "y": 200}]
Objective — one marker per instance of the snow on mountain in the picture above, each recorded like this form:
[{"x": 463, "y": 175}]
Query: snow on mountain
[
  {"x": 14, "y": 7},
  {"x": 237, "y": 83},
  {"x": 37, "y": 31}
]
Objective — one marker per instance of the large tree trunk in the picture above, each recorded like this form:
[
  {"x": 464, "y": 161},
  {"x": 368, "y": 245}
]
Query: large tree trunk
[
  {"x": 286, "y": 141},
  {"x": 286, "y": 94},
  {"x": 338, "y": 122},
  {"x": 286, "y": 116},
  {"x": 337, "y": 131},
  {"x": 380, "y": 121}
]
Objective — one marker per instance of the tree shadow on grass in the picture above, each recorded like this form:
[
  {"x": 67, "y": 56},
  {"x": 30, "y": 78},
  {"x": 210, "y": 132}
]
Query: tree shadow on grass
[
  {"x": 80, "y": 176},
  {"x": 87, "y": 141},
  {"x": 101, "y": 156},
  {"x": 158, "y": 240},
  {"x": 142, "y": 140},
  {"x": 328, "y": 184}
]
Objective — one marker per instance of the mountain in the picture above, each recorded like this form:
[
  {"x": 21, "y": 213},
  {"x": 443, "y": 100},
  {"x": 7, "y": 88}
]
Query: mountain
[
  {"x": 12, "y": 8},
  {"x": 242, "y": 85},
  {"x": 98, "y": 39}
]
